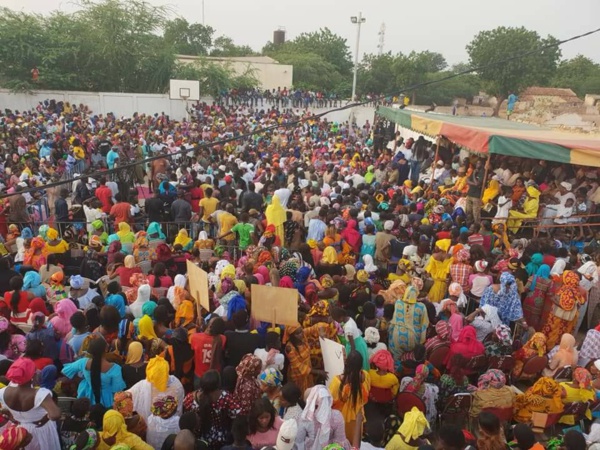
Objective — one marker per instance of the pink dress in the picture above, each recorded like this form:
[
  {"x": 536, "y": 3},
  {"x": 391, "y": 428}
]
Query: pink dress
[{"x": 268, "y": 438}]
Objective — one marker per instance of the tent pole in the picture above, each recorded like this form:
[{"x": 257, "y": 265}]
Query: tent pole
[
  {"x": 485, "y": 174},
  {"x": 437, "y": 151}
]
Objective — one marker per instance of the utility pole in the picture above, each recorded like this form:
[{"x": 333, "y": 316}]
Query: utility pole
[
  {"x": 358, "y": 21},
  {"x": 381, "y": 39}
]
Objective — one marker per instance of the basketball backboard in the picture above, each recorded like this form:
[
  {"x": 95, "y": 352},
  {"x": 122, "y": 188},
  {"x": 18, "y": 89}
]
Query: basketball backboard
[{"x": 184, "y": 90}]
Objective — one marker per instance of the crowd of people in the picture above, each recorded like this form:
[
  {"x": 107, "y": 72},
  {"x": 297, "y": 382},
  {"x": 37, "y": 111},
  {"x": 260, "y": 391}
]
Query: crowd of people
[{"x": 442, "y": 275}]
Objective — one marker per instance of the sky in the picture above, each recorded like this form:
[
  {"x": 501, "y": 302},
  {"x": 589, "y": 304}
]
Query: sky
[{"x": 437, "y": 25}]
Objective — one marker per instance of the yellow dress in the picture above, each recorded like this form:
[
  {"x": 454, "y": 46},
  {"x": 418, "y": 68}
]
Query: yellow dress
[
  {"x": 530, "y": 210},
  {"x": 341, "y": 400},
  {"x": 439, "y": 271},
  {"x": 575, "y": 395}
]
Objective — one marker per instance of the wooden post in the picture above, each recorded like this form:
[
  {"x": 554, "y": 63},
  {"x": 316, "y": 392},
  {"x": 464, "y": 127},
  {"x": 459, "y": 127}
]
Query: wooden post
[
  {"x": 485, "y": 174},
  {"x": 437, "y": 152}
]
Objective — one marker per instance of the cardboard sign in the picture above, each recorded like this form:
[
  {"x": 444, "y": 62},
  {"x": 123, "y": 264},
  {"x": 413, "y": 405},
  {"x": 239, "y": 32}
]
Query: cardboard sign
[
  {"x": 333, "y": 358},
  {"x": 198, "y": 281},
  {"x": 275, "y": 305}
]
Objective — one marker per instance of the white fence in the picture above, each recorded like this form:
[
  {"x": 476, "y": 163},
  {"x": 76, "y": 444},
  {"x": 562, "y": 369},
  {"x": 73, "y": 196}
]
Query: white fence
[{"x": 121, "y": 104}]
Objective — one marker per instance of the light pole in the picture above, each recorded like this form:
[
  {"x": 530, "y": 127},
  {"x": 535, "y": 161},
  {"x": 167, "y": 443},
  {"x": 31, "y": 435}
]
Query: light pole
[{"x": 358, "y": 21}]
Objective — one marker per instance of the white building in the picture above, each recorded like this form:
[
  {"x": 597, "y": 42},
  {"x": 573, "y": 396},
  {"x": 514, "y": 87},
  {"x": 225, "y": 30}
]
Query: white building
[{"x": 269, "y": 73}]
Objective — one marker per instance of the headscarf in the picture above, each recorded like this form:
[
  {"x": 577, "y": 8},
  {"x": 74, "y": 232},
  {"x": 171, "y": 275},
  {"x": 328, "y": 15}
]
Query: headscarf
[
  {"x": 319, "y": 406},
  {"x": 370, "y": 267},
  {"x": 185, "y": 311},
  {"x": 542, "y": 272},
  {"x": 31, "y": 280},
  {"x": 383, "y": 360},
  {"x": 286, "y": 282},
  {"x": 567, "y": 353},
  {"x": 129, "y": 261},
  {"x": 148, "y": 309},
  {"x": 443, "y": 244},
  {"x": 271, "y": 377},
  {"x": 12, "y": 437},
  {"x": 37, "y": 243},
  {"x": 583, "y": 377},
  {"x": 507, "y": 299},
  {"x": 326, "y": 281},
  {"x": 76, "y": 281},
  {"x": 26, "y": 233},
  {"x": 157, "y": 373},
  {"x": 534, "y": 264},
  {"x": 504, "y": 335},
  {"x": 92, "y": 440},
  {"x": 372, "y": 335},
  {"x": 414, "y": 425},
  {"x": 154, "y": 232},
  {"x": 164, "y": 407},
  {"x": 537, "y": 343},
  {"x": 146, "y": 327},
  {"x": 52, "y": 234},
  {"x": 235, "y": 304},
  {"x": 228, "y": 271},
  {"x": 247, "y": 389},
  {"x": 493, "y": 378},
  {"x": 125, "y": 234},
  {"x": 64, "y": 310},
  {"x": 417, "y": 384},
  {"x": 462, "y": 255},
  {"x": 491, "y": 192},
  {"x": 275, "y": 213},
  {"x": 182, "y": 238},
  {"x": 38, "y": 305},
  {"x": 21, "y": 371},
  {"x": 123, "y": 403},
  {"x": 569, "y": 294},
  {"x": 362, "y": 276},
  {"x": 135, "y": 351},
  {"x": 48, "y": 377},
  {"x": 558, "y": 268},
  {"x": 113, "y": 425},
  {"x": 329, "y": 255}
]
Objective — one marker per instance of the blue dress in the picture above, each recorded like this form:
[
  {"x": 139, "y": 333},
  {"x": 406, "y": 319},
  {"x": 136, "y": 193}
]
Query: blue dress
[{"x": 111, "y": 381}]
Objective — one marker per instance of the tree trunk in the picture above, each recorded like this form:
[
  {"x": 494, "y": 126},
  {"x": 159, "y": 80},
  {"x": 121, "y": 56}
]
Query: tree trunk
[{"x": 500, "y": 99}]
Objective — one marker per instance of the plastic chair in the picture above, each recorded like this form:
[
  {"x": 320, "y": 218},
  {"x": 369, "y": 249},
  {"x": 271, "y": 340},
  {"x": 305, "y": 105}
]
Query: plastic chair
[
  {"x": 577, "y": 410},
  {"x": 477, "y": 364},
  {"x": 504, "y": 414},
  {"x": 64, "y": 404},
  {"x": 405, "y": 401},
  {"x": 533, "y": 367},
  {"x": 438, "y": 357},
  {"x": 456, "y": 410}
]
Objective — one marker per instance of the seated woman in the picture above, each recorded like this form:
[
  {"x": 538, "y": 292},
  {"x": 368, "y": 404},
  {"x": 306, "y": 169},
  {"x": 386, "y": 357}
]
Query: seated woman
[
  {"x": 384, "y": 383},
  {"x": 536, "y": 345},
  {"x": 55, "y": 243},
  {"x": 566, "y": 355},
  {"x": 466, "y": 345},
  {"x": 441, "y": 338},
  {"x": 579, "y": 390},
  {"x": 329, "y": 263},
  {"x": 406, "y": 434},
  {"x": 500, "y": 343},
  {"x": 426, "y": 391},
  {"x": 491, "y": 392},
  {"x": 455, "y": 381},
  {"x": 544, "y": 397}
]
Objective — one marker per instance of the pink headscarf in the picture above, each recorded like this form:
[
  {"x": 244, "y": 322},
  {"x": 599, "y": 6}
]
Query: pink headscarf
[
  {"x": 383, "y": 360},
  {"x": 62, "y": 321},
  {"x": 262, "y": 270},
  {"x": 260, "y": 278},
  {"x": 286, "y": 282}
]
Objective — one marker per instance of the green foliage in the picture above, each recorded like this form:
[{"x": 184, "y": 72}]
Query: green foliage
[
  {"x": 500, "y": 80},
  {"x": 214, "y": 77},
  {"x": 188, "y": 38},
  {"x": 580, "y": 74},
  {"x": 224, "y": 46},
  {"x": 444, "y": 93},
  {"x": 312, "y": 71}
]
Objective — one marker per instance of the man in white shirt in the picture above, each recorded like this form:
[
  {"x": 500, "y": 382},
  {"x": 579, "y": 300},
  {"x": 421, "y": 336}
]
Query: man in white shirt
[{"x": 284, "y": 195}]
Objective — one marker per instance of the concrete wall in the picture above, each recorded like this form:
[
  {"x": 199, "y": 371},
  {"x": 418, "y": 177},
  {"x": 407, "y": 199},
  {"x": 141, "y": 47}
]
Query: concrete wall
[{"x": 121, "y": 104}]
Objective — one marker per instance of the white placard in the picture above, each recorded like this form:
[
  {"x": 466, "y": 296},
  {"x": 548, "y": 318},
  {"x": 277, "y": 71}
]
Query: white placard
[{"x": 334, "y": 355}]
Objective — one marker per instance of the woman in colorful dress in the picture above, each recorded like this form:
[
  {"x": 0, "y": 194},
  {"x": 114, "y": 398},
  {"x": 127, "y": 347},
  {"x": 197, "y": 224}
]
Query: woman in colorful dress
[
  {"x": 563, "y": 317},
  {"x": 536, "y": 345},
  {"x": 537, "y": 286},
  {"x": 543, "y": 397}
]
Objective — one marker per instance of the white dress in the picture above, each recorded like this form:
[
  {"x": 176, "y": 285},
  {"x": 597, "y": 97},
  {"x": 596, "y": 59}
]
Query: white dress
[{"x": 44, "y": 437}]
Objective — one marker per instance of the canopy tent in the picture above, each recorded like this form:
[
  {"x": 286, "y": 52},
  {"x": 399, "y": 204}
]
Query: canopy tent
[{"x": 492, "y": 135}]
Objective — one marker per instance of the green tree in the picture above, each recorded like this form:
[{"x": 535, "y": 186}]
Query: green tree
[
  {"x": 515, "y": 75},
  {"x": 188, "y": 38},
  {"x": 445, "y": 92},
  {"x": 224, "y": 46},
  {"x": 312, "y": 71},
  {"x": 376, "y": 74},
  {"x": 214, "y": 77},
  {"x": 580, "y": 74},
  {"x": 414, "y": 69}
]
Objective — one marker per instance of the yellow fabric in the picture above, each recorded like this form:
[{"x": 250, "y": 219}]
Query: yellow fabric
[
  {"x": 146, "y": 327},
  {"x": 61, "y": 247},
  {"x": 113, "y": 425},
  {"x": 530, "y": 210},
  {"x": 329, "y": 255},
  {"x": 387, "y": 381},
  {"x": 129, "y": 261},
  {"x": 182, "y": 238},
  {"x": 275, "y": 214},
  {"x": 413, "y": 425},
  {"x": 491, "y": 192},
  {"x": 544, "y": 396},
  {"x": 396, "y": 443},
  {"x": 185, "y": 311},
  {"x": 52, "y": 234},
  {"x": 135, "y": 351},
  {"x": 209, "y": 206},
  {"x": 228, "y": 271},
  {"x": 443, "y": 244},
  {"x": 125, "y": 234},
  {"x": 157, "y": 373},
  {"x": 492, "y": 398},
  {"x": 572, "y": 395},
  {"x": 439, "y": 271},
  {"x": 341, "y": 400},
  {"x": 227, "y": 221}
]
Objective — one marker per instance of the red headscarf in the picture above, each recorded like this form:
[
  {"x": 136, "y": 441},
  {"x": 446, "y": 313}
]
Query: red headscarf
[
  {"x": 38, "y": 305},
  {"x": 383, "y": 360},
  {"x": 21, "y": 371}
]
